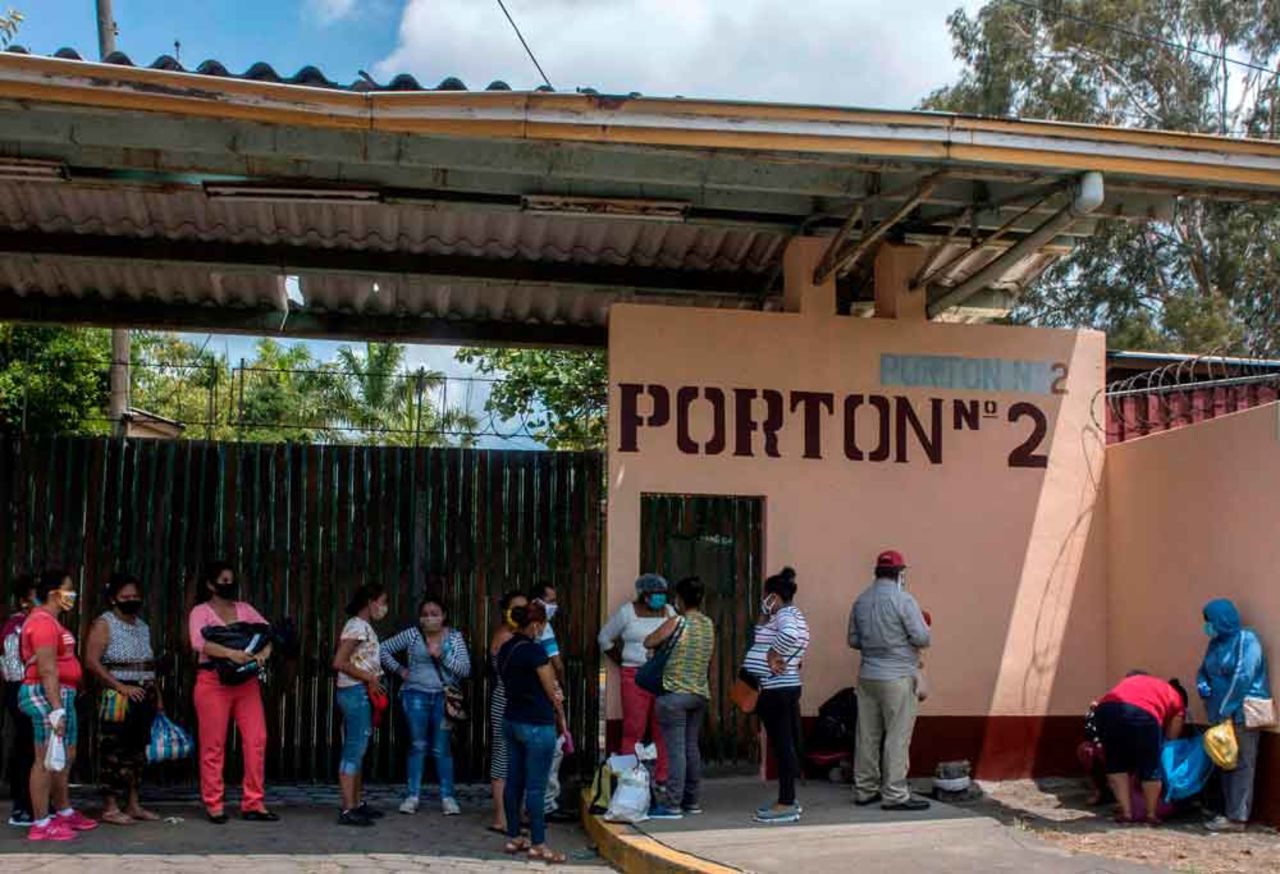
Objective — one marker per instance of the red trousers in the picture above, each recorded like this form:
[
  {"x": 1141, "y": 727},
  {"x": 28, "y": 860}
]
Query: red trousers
[
  {"x": 216, "y": 705},
  {"x": 640, "y": 714}
]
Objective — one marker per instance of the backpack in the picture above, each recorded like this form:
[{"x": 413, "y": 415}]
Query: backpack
[{"x": 14, "y": 669}]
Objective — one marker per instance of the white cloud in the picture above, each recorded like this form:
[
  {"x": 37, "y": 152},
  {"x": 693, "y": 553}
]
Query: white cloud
[
  {"x": 882, "y": 53},
  {"x": 331, "y": 11}
]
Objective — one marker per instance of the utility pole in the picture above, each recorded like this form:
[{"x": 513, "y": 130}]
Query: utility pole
[{"x": 118, "y": 406}]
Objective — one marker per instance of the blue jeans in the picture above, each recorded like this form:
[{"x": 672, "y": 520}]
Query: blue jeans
[
  {"x": 529, "y": 752},
  {"x": 428, "y": 730},
  {"x": 357, "y": 727}
]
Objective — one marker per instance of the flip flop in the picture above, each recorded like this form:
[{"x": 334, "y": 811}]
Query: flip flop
[
  {"x": 118, "y": 818},
  {"x": 514, "y": 848},
  {"x": 496, "y": 830}
]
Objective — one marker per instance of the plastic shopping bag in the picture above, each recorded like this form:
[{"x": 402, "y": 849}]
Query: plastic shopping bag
[
  {"x": 169, "y": 741},
  {"x": 55, "y": 754},
  {"x": 1187, "y": 768},
  {"x": 630, "y": 799},
  {"x": 1220, "y": 744}
]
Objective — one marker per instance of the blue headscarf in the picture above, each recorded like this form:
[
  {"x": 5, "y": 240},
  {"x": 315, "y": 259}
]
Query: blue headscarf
[{"x": 1234, "y": 667}]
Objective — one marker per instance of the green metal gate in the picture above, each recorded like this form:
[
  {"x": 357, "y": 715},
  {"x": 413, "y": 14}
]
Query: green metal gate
[
  {"x": 719, "y": 539},
  {"x": 306, "y": 525}
]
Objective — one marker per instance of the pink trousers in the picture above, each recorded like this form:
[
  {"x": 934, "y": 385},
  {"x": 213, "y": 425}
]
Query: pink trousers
[
  {"x": 216, "y": 706},
  {"x": 640, "y": 713}
]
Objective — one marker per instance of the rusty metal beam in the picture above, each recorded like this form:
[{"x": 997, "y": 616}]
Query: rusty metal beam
[{"x": 849, "y": 255}]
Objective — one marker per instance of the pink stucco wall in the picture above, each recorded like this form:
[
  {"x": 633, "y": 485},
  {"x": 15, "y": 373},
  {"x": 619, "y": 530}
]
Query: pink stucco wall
[
  {"x": 1009, "y": 560},
  {"x": 1193, "y": 516}
]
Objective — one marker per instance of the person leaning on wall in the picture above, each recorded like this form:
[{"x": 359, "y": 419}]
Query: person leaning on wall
[{"x": 1234, "y": 685}]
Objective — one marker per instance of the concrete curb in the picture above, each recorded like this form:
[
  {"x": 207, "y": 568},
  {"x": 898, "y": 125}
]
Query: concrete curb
[{"x": 636, "y": 853}]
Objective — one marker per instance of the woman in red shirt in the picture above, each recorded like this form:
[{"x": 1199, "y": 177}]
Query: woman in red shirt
[
  {"x": 48, "y": 697},
  {"x": 1133, "y": 720}
]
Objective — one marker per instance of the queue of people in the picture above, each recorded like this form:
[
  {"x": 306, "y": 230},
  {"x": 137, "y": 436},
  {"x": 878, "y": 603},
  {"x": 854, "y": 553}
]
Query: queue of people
[{"x": 232, "y": 642}]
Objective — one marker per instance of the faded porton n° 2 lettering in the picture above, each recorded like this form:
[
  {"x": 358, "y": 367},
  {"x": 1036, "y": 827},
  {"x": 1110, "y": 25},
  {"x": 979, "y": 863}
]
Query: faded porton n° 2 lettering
[{"x": 746, "y": 422}]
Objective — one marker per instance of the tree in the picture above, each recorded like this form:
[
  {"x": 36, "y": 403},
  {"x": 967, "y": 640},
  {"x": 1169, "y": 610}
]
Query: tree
[
  {"x": 9, "y": 22},
  {"x": 286, "y": 395},
  {"x": 173, "y": 378},
  {"x": 390, "y": 405},
  {"x": 53, "y": 379},
  {"x": 1205, "y": 281},
  {"x": 562, "y": 395}
]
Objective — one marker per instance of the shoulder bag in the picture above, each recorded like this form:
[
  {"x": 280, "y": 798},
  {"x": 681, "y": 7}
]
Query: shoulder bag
[
  {"x": 455, "y": 700},
  {"x": 1258, "y": 712},
  {"x": 649, "y": 675}
]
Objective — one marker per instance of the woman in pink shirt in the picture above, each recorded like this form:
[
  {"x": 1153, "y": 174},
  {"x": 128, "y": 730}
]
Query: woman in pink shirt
[{"x": 217, "y": 703}]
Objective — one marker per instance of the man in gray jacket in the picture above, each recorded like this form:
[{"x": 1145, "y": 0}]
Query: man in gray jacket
[{"x": 887, "y": 627}]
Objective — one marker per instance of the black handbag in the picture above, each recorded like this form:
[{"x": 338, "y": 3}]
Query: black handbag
[
  {"x": 649, "y": 675},
  {"x": 250, "y": 637}
]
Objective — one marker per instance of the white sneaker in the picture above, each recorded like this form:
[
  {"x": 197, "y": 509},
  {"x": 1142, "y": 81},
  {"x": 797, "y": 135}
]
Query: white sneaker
[
  {"x": 450, "y": 807},
  {"x": 409, "y": 805}
]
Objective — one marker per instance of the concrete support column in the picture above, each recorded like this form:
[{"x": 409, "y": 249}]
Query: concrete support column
[
  {"x": 895, "y": 266},
  {"x": 799, "y": 294}
]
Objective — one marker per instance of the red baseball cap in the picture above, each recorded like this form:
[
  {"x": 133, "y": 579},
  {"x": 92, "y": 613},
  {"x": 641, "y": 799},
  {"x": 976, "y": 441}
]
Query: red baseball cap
[{"x": 890, "y": 560}]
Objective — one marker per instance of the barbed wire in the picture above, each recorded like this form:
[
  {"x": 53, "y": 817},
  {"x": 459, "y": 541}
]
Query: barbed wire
[{"x": 1189, "y": 389}]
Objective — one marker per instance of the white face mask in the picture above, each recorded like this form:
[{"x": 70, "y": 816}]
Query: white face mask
[
  {"x": 552, "y": 608},
  {"x": 768, "y": 604},
  {"x": 378, "y": 612}
]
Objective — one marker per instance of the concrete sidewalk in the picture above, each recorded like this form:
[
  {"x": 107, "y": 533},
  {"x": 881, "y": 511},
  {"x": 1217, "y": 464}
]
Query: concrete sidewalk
[{"x": 836, "y": 835}]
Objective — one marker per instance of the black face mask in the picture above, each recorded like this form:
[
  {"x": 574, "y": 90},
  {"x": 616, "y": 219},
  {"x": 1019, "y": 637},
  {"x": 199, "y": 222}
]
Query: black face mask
[
  {"x": 129, "y": 608},
  {"x": 227, "y": 591}
]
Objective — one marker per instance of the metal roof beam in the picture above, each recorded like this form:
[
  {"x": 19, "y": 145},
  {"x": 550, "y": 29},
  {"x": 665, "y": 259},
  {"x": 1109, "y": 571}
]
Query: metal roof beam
[{"x": 840, "y": 256}]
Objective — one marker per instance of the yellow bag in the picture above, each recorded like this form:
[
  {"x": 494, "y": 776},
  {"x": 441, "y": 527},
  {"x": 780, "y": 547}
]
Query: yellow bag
[
  {"x": 1220, "y": 744},
  {"x": 113, "y": 707}
]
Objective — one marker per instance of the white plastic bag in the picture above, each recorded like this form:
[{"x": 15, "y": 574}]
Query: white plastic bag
[
  {"x": 630, "y": 800},
  {"x": 55, "y": 754}
]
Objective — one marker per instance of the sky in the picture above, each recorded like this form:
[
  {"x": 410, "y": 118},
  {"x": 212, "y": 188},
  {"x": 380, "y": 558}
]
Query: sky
[{"x": 872, "y": 53}]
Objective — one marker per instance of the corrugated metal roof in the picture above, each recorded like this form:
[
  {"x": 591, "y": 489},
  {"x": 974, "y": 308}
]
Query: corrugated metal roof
[
  {"x": 261, "y": 71},
  {"x": 401, "y": 297},
  {"x": 386, "y": 227}
]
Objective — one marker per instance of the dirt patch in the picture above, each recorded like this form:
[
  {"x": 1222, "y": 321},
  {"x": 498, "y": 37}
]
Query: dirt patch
[{"x": 1055, "y": 810}]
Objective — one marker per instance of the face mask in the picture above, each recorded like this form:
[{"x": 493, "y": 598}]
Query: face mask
[
  {"x": 766, "y": 606},
  {"x": 69, "y": 601},
  {"x": 433, "y": 623},
  {"x": 902, "y": 580},
  {"x": 657, "y": 601},
  {"x": 552, "y": 609},
  {"x": 227, "y": 591},
  {"x": 1209, "y": 630},
  {"x": 129, "y": 608},
  {"x": 378, "y": 612}
]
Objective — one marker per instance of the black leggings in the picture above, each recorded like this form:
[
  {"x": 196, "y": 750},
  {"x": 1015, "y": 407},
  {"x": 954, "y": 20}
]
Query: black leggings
[{"x": 779, "y": 711}]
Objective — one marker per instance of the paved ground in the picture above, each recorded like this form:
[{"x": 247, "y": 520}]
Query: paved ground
[
  {"x": 835, "y": 835},
  {"x": 306, "y": 840}
]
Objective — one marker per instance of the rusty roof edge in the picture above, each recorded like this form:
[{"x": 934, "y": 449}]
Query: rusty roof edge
[{"x": 924, "y": 137}]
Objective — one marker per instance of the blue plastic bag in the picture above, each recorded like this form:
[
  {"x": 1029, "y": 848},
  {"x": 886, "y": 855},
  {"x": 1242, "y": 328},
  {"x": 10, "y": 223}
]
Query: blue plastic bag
[
  {"x": 169, "y": 741},
  {"x": 1187, "y": 767}
]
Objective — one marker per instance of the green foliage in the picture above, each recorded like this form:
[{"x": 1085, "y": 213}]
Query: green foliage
[
  {"x": 53, "y": 379},
  {"x": 177, "y": 380},
  {"x": 562, "y": 395},
  {"x": 1206, "y": 280}
]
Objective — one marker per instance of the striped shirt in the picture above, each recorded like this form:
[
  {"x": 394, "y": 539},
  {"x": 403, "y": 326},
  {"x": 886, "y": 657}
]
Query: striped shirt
[
  {"x": 687, "y": 668},
  {"x": 787, "y": 634}
]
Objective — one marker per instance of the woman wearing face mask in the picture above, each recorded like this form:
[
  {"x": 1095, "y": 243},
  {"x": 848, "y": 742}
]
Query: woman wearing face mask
[
  {"x": 359, "y": 677},
  {"x": 48, "y": 698},
  {"x": 1234, "y": 684},
  {"x": 535, "y": 719},
  {"x": 438, "y": 658},
  {"x": 498, "y": 709},
  {"x": 774, "y": 661},
  {"x": 218, "y": 703},
  {"x": 622, "y": 640},
  {"x": 118, "y": 653}
]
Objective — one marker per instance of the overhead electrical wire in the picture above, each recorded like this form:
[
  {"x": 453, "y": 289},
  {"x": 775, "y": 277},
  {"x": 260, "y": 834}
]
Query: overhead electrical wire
[
  {"x": 1081, "y": 19},
  {"x": 532, "y": 57}
]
